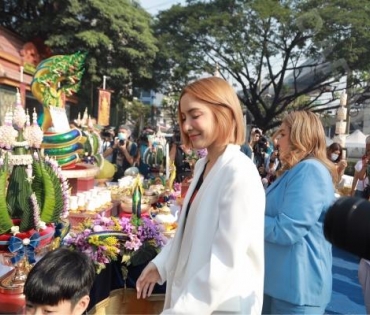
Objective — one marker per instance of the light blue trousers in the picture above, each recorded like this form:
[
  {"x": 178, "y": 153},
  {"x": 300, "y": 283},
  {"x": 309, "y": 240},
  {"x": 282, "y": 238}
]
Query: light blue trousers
[{"x": 275, "y": 306}]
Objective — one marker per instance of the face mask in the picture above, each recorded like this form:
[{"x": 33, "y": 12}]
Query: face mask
[
  {"x": 334, "y": 156},
  {"x": 121, "y": 136}
]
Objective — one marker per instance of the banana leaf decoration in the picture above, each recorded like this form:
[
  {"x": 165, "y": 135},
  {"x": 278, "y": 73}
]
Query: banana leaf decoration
[
  {"x": 137, "y": 192},
  {"x": 5, "y": 219}
]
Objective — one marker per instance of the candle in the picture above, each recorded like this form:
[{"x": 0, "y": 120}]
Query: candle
[
  {"x": 21, "y": 75},
  {"x": 18, "y": 100},
  {"x": 167, "y": 161},
  {"x": 34, "y": 116},
  {"x": 27, "y": 118}
]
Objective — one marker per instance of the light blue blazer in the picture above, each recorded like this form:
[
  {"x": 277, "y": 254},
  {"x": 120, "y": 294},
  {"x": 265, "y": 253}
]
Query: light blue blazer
[{"x": 298, "y": 259}]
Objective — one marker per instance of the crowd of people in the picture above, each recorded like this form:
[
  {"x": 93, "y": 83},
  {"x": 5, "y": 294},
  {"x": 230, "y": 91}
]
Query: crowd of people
[
  {"x": 278, "y": 230},
  {"x": 361, "y": 189},
  {"x": 121, "y": 150},
  {"x": 250, "y": 234}
]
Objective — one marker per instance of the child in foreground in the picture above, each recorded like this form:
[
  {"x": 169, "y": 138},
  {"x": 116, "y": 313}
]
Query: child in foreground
[{"x": 59, "y": 283}]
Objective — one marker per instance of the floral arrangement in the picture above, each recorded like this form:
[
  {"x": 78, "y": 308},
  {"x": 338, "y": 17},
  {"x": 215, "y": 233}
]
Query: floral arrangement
[
  {"x": 105, "y": 239},
  {"x": 194, "y": 155},
  {"x": 33, "y": 190}
]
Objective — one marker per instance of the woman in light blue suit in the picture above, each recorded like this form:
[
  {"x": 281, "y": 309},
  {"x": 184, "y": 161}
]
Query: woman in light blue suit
[{"x": 298, "y": 259}]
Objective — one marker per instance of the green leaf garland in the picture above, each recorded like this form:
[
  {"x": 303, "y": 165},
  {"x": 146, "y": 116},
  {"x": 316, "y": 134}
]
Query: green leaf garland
[{"x": 5, "y": 220}]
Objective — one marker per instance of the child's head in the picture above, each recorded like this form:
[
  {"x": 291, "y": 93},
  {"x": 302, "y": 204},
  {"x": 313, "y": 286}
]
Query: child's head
[{"x": 60, "y": 282}]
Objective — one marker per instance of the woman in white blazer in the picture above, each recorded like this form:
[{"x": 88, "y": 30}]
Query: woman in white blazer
[{"x": 215, "y": 262}]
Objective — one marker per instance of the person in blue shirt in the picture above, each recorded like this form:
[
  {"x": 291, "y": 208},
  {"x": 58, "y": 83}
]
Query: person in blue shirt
[
  {"x": 298, "y": 259},
  {"x": 143, "y": 147}
]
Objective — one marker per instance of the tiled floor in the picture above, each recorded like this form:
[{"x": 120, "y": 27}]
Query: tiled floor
[{"x": 347, "y": 293}]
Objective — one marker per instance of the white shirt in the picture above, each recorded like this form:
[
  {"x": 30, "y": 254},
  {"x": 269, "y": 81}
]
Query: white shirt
[{"x": 361, "y": 184}]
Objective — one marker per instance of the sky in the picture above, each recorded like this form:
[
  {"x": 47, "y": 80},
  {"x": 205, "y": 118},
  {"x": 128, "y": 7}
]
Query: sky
[{"x": 154, "y": 6}]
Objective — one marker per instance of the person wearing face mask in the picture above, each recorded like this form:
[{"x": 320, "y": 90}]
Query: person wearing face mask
[
  {"x": 124, "y": 151},
  {"x": 335, "y": 154}
]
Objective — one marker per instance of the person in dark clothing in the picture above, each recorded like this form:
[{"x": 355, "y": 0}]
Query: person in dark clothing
[{"x": 183, "y": 168}]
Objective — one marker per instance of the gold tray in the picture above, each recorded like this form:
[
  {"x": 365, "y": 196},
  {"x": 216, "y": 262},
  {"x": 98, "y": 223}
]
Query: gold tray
[{"x": 127, "y": 207}]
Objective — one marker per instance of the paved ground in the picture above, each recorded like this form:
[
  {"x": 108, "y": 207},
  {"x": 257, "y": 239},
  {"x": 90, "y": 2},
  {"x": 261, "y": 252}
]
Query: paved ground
[{"x": 347, "y": 294}]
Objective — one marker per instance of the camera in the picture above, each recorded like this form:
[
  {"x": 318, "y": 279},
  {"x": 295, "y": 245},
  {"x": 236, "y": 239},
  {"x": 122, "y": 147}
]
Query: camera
[
  {"x": 347, "y": 225},
  {"x": 121, "y": 142},
  {"x": 261, "y": 146},
  {"x": 177, "y": 138},
  {"x": 106, "y": 134}
]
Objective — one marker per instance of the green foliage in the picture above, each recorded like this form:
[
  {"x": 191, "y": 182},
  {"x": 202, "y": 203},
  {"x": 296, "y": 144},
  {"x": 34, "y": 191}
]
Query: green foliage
[
  {"x": 116, "y": 35},
  {"x": 5, "y": 219},
  {"x": 344, "y": 33},
  {"x": 18, "y": 195},
  {"x": 169, "y": 106},
  {"x": 37, "y": 183},
  {"x": 137, "y": 113},
  {"x": 258, "y": 45},
  {"x": 48, "y": 191},
  {"x": 52, "y": 204},
  {"x": 146, "y": 253}
]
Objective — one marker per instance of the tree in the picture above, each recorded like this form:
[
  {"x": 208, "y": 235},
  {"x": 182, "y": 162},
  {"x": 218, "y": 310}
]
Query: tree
[
  {"x": 138, "y": 114},
  {"x": 344, "y": 39},
  {"x": 264, "y": 47},
  {"x": 116, "y": 34},
  {"x": 169, "y": 107}
]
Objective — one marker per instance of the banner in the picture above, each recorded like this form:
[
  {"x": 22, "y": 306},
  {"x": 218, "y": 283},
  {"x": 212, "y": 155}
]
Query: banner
[{"x": 104, "y": 107}]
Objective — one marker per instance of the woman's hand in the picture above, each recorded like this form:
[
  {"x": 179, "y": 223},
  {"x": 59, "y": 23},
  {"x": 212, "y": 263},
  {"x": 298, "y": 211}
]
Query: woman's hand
[
  {"x": 342, "y": 164},
  {"x": 148, "y": 278}
]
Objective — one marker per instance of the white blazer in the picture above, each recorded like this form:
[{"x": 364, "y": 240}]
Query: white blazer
[{"x": 216, "y": 263}]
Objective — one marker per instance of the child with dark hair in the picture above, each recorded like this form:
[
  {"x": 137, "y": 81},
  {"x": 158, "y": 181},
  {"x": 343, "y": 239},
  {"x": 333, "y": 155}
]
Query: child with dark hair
[{"x": 60, "y": 283}]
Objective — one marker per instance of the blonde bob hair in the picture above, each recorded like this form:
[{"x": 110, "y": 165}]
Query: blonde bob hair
[
  {"x": 307, "y": 139},
  {"x": 225, "y": 105}
]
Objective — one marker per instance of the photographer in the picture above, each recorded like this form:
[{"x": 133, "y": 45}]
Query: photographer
[
  {"x": 260, "y": 155},
  {"x": 107, "y": 136},
  {"x": 124, "y": 151},
  {"x": 143, "y": 147},
  {"x": 178, "y": 154},
  {"x": 360, "y": 183}
]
